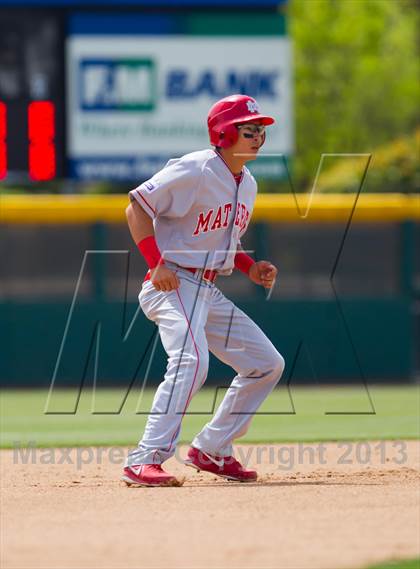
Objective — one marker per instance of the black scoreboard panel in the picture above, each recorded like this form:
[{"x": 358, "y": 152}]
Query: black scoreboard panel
[{"x": 31, "y": 95}]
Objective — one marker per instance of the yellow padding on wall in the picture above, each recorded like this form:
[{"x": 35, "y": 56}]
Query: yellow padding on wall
[{"x": 303, "y": 208}]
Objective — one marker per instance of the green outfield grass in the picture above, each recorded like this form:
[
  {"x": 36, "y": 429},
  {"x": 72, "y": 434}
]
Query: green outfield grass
[
  {"x": 396, "y": 416},
  {"x": 407, "y": 564}
]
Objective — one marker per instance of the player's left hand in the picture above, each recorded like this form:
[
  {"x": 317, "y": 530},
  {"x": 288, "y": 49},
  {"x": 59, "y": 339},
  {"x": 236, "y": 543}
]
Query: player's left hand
[{"x": 263, "y": 273}]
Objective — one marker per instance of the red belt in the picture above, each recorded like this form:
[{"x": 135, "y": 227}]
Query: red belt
[{"x": 209, "y": 275}]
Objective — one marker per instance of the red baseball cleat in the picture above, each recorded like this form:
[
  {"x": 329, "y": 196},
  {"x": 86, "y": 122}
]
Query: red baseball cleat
[
  {"x": 225, "y": 466},
  {"x": 148, "y": 475}
]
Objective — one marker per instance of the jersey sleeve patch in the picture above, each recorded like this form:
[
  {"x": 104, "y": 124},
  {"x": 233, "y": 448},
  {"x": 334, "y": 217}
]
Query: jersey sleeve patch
[{"x": 148, "y": 186}]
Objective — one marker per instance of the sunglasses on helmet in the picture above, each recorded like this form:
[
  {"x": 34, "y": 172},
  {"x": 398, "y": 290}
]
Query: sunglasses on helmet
[{"x": 250, "y": 130}]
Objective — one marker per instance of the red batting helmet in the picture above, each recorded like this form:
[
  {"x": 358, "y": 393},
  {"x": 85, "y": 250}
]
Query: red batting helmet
[{"x": 231, "y": 111}]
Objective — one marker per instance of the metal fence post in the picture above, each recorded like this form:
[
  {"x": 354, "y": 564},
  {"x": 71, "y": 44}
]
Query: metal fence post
[
  {"x": 262, "y": 249},
  {"x": 407, "y": 288},
  {"x": 99, "y": 262}
]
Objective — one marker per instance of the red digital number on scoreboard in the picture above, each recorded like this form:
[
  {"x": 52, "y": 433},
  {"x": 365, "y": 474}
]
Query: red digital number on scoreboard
[
  {"x": 41, "y": 134},
  {"x": 3, "y": 146}
]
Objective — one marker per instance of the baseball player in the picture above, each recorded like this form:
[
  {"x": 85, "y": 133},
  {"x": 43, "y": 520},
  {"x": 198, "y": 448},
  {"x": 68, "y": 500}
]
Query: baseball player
[{"x": 187, "y": 222}]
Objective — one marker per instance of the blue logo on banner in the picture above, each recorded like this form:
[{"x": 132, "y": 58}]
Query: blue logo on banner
[
  {"x": 117, "y": 84},
  {"x": 130, "y": 84}
]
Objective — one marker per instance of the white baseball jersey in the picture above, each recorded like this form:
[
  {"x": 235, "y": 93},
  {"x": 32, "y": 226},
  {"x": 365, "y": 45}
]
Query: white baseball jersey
[
  {"x": 199, "y": 214},
  {"x": 200, "y": 189}
]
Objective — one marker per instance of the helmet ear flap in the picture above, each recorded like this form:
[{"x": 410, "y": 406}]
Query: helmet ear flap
[{"x": 228, "y": 136}]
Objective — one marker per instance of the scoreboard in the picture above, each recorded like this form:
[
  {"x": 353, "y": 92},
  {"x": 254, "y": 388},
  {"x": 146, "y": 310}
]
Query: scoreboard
[{"x": 31, "y": 95}]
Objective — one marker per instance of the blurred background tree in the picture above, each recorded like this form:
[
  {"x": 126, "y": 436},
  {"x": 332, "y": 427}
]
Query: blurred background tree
[{"x": 357, "y": 84}]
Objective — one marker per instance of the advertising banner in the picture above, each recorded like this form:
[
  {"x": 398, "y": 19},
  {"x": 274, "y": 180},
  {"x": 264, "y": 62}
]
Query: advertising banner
[{"x": 134, "y": 101}]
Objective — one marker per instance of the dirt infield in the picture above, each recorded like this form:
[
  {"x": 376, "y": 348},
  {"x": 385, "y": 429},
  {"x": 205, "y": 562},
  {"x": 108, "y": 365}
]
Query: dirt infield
[{"x": 313, "y": 507}]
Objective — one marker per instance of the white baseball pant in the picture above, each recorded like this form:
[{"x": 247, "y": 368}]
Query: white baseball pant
[{"x": 192, "y": 320}]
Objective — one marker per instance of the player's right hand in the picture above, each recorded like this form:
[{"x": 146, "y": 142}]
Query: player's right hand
[{"x": 164, "y": 279}]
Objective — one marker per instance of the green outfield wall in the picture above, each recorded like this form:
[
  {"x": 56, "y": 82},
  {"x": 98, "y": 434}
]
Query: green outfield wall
[
  {"x": 345, "y": 307},
  {"x": 321, "y": 341}
]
